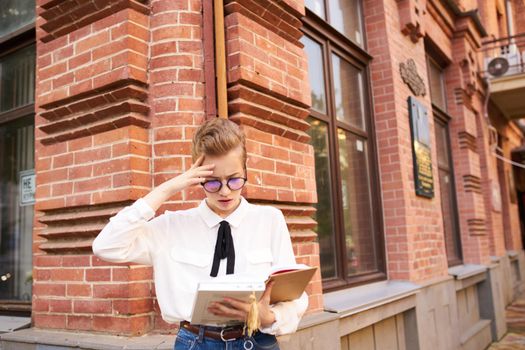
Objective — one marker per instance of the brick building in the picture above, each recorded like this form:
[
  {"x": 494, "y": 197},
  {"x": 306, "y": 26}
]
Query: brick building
[{"x": 387, "y": 131}]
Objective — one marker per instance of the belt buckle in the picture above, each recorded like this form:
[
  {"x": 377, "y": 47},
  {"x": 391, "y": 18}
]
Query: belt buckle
[{"x": 222, "y": 334}]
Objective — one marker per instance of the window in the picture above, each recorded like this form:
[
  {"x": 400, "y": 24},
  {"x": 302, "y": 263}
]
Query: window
[
  {"x": 437, "y": 84},
  {"x": 444, "y": 160},
  {"x": 349, "y": 229},
  {"x": 16, "y": 15},
  {"x": 17, "y": 135},
  {"x": 343, "y": 15},
  {"x": 447, "y": 189}
]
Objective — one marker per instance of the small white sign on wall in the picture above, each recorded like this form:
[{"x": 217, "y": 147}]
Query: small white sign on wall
[{"x": 27, "y": 187}]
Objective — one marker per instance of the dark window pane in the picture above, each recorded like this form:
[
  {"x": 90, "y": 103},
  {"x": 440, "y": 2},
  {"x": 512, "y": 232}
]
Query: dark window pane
[
  {"x": 442, "y": 146},
  {"x": 17, "y": 79},
  {"x": 446, "y": 184},
  {"x": 325, "y": 221},
  {"x": 357, "y": 212},
  {"x": 317, "y": 7},
  {"x": 315, "y": 73},
  {"x": 345, "y": 16},
  {"x": 348, "y": 85},
  {"x": 16, "y": 220},
  {"x": 14, "y": 14},
  {"x": 437, "y": 86}
]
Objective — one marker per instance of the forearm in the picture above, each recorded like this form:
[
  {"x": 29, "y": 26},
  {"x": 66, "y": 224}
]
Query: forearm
[
  {"x": 158, "y": 195},
  {"x": 287, "y": 316},
  {"x": 126, "y": 238},
  {"x": 195, "y": 175}
]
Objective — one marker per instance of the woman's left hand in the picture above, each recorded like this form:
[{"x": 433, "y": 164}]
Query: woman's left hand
[{"x": 238, "y": 309}]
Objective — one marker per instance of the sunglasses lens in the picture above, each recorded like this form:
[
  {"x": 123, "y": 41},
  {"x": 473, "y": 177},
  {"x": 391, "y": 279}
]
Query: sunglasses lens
[
  {"x": 236, "y": 183},
  {"x": 212, "y": 186}
]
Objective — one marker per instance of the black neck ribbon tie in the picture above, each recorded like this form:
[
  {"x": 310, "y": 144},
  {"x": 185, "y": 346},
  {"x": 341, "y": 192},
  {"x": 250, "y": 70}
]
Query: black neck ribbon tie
[{"x": 223, "y": 249}]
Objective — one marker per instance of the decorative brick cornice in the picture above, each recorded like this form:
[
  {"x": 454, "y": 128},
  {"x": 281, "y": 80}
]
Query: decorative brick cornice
[
  {"x": 462, "y": 97},
  {"x": 467, "y": 141},
  {"x": 299, "y": 221},
  {"x": 477, "y": 227},
  {"x": 64, "y": 16},
  {"x": 472, "y": 183},
  {"x": 114, "y": 106},
  {"x": 277, "y": 16},
  {"x": 72, "y": 230},
  {"x": 267, "y": 79},
  {"x": 267, "y": 113}
]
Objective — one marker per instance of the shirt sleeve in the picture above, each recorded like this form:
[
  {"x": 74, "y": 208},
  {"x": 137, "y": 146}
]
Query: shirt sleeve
[
  {"x": 289, "y": 313},
  {"x": 130, "y": 236}
]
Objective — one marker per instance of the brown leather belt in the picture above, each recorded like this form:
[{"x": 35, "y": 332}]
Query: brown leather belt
[{"x": 218, "y": 333}]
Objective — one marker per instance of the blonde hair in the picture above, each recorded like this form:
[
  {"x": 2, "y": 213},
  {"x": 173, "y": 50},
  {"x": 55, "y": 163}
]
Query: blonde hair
[{"x": 217, "y": 137}]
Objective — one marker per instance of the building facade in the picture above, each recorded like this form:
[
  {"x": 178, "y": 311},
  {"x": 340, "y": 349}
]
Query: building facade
[{"x": 387, "y": 131}]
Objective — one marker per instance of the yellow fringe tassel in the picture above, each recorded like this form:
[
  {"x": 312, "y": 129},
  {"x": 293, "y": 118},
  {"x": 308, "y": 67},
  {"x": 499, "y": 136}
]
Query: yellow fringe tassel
[{"x": 252, "y": 321}]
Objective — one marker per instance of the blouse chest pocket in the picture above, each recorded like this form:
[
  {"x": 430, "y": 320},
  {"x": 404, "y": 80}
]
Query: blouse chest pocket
[
  {"x": 260, "y": 260},
  {"x": 193, "y": 259}
]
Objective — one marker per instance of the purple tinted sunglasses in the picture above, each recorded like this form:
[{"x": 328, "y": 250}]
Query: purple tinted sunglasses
[{"x": 234, "y": 184}]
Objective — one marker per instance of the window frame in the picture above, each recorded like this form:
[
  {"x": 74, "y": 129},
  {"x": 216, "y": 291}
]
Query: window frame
[
  {"x": 312, "y": 16},
  {"x": 434, "y": 56},
  {"x": 441, "y": 117},
  {"x": 434, "y": 62},
  {"x": 10, "y": 43},
  {"x": 332, "y": 41}
]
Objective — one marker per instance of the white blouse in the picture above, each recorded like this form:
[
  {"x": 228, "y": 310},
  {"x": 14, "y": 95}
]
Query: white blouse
[{"x": 180, "y": 247}]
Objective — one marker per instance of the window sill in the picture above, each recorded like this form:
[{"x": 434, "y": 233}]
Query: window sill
[
  {"x": 512, "y": 254},
  {"x": 461, "y": 272},
  {"x": 495, "y": 259},
  {"x": 316, "y": 319},
  {"x": 358, "y": 299},
  {"x": 468, "y": 275},
  {"x": 13, "y": 323}
]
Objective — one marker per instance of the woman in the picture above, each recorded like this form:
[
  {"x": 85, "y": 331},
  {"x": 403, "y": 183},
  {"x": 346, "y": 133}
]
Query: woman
[{"x": 223, "y": 235}]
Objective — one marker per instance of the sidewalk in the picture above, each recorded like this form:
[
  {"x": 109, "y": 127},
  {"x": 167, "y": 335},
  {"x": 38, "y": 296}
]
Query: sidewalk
[{"x": 515, "y": 337}]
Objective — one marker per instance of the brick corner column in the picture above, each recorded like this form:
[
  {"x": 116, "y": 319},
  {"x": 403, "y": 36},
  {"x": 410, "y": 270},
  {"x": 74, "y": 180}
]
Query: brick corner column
[
  {"x": 92, "y": 158},
  {"x": 468, "y": 141}
]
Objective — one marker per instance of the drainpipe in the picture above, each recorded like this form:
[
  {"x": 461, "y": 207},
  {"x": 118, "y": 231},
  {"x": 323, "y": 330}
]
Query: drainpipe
[
  {"x": 214, "y": 59},
  {"x": 510, "y": 21},
  {"x": 209, "y": 59},
  {"x": 220, "y": 62}
]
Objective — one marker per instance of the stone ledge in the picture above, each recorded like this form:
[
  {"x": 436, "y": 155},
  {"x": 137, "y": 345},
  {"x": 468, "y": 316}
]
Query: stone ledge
[
  {"x": 512, "y": 254},
  {"x": 85, "y": 341},
  {"x": 13, "y": 323},
  {"x": 316, "y": 319},
  {"x": 351, "y": 301},
  {"x": 465, "y": 271}
]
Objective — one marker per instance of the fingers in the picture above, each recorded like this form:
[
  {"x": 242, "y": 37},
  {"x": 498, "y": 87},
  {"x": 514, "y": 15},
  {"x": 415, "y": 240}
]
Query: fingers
[
  {"x": 221, "y": 309},
  {"x": 238, "y": 304},
  {"x": 198, "y": 162},
  {"x": 267, "y": 292},
  {"x": 203, "y": 173}
]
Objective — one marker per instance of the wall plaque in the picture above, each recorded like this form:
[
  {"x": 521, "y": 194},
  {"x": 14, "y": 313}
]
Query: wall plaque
[
  {"x": 419, "y": 128},
  {"x": 410, "y": 77},
  {"x": 27, "y": 187}
]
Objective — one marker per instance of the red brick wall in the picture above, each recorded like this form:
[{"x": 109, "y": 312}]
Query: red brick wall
[
  {"x": 120, "y": 91},
  {"x": 92, "y": 158},
  {"x": 413, "y": 225}
]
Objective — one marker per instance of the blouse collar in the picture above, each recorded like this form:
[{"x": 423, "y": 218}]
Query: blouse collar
[{"x": 212, "y": 219}]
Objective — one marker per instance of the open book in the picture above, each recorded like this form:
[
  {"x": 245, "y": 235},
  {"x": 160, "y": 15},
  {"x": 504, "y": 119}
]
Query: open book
[{"x": 290, "y": 283}]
